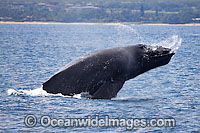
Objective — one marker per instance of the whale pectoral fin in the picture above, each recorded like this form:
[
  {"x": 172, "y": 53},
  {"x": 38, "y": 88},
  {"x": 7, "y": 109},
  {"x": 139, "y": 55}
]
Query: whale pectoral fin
[{"x": 108, "y": 90}]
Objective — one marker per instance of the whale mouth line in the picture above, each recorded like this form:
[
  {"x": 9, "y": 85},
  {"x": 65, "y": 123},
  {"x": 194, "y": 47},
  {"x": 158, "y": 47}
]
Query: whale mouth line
[{"x": 163, "y": 55}]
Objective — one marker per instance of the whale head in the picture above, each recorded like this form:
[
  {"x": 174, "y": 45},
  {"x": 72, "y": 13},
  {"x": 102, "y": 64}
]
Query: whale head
[{"x": 154, "y": 56}]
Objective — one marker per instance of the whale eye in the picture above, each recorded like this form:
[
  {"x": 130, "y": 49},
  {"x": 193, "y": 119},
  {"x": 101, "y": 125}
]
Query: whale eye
[{"x": 141, "y": 46}]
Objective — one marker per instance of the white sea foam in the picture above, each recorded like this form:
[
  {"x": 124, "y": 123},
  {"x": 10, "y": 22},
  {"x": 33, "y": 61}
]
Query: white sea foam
[
  {"x": 43, "y": 93},
  {"x": 82, "y": 95},
  {"x": 34, "y": 92}
]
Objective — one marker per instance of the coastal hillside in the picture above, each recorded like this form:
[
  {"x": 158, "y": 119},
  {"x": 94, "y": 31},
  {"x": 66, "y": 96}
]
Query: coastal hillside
[{"x": 135, "y": 11}]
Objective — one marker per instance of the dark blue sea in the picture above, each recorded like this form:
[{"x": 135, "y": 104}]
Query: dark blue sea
[{"x": 31, "y": 53}]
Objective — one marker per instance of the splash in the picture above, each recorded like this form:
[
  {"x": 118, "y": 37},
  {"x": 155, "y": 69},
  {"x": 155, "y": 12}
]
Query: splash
[
  {"x": 42, "y": 93},
  {"x": 174, "y": 43},
  {"x": 127, "y": 34},
  {"x": 34, "y": 92},
  {"x": 82, "y": 95},
  {"x": 122, "y": 28}
]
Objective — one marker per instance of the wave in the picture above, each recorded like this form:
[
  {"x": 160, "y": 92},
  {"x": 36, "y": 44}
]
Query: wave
[{"x": 132, "y": 99}]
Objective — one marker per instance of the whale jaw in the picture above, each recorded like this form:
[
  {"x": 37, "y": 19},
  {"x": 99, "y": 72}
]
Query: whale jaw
[{"x": 155, "y": 56}]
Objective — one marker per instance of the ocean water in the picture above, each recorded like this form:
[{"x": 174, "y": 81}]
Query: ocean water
[{"x": 31, "y": 53}]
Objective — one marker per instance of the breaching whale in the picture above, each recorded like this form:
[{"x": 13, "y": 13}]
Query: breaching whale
[{"x": 102, "y": 74}]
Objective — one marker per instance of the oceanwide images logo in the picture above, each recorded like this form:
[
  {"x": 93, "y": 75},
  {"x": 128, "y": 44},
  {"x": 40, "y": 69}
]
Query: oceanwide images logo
[{"x": 96, "y": 121}]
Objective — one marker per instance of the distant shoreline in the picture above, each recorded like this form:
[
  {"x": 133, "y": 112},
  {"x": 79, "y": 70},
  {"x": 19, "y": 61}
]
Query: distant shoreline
[
  {"x": 85, "y": 23},
  {"x": 12, "y": 22}
]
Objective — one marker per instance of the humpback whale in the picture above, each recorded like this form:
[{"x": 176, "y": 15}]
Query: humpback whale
[{"x": 103, "y": 73}]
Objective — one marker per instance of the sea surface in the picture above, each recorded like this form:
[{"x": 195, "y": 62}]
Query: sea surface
[{"x": 31, "y": 53}]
